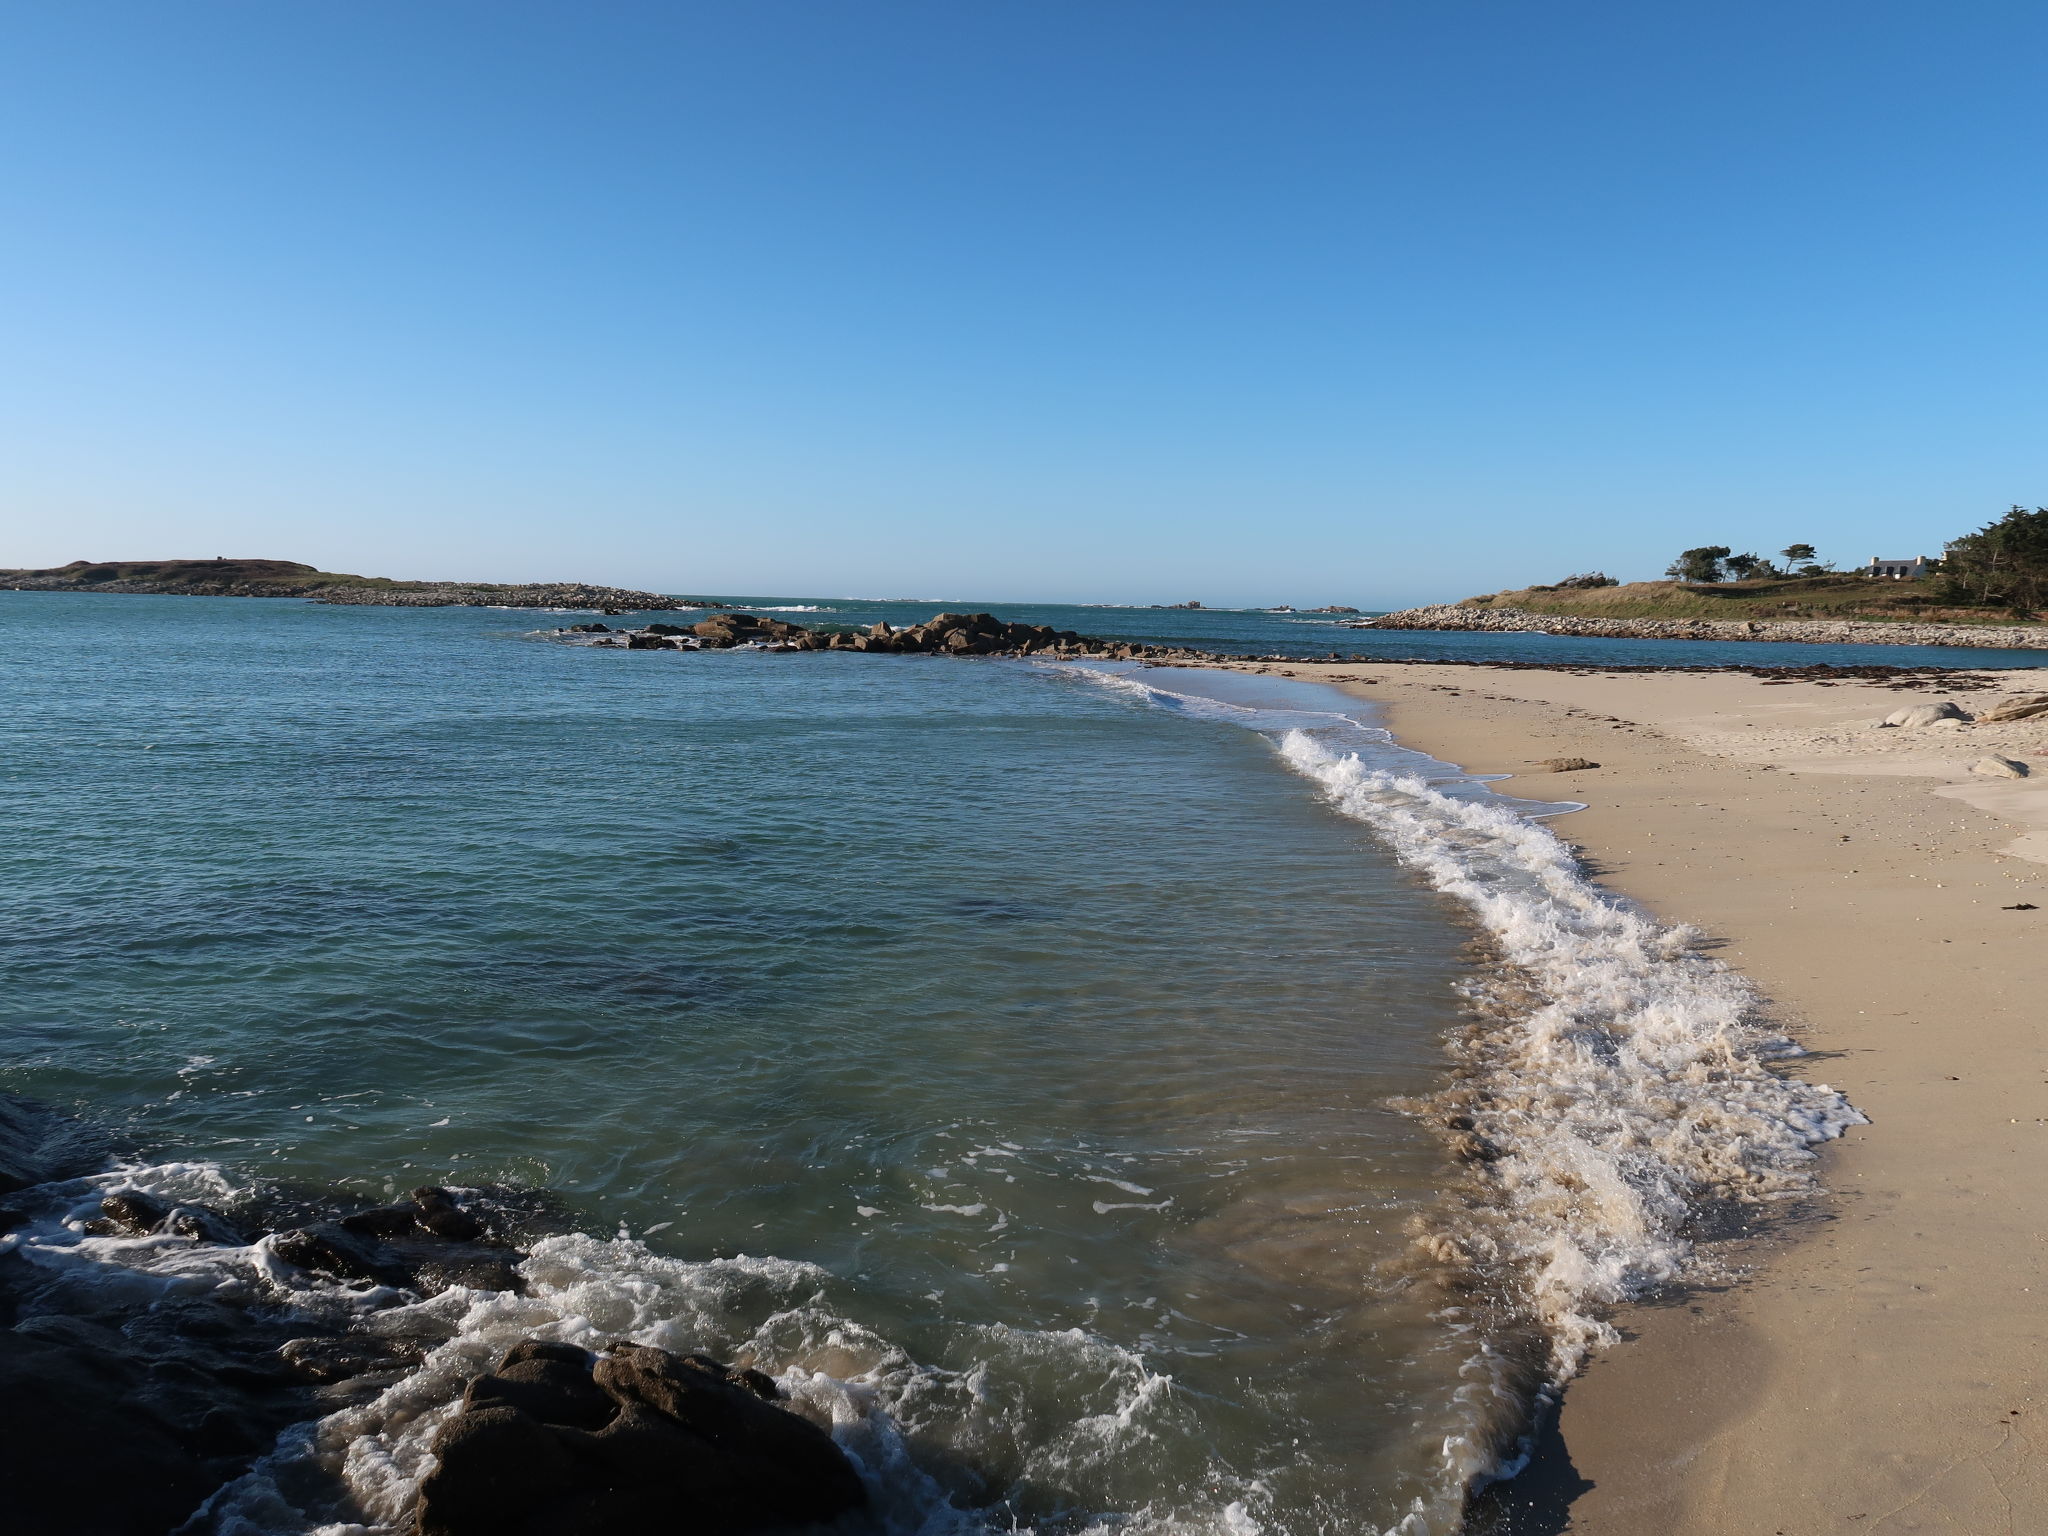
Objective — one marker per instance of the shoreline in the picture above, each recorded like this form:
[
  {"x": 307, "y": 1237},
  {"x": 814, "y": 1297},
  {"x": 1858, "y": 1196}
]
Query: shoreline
[
  {"x": 1876, "y": 1366},
  {"x": 1464, "y": 617}
]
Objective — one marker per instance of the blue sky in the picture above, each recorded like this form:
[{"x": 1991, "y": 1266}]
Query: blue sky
[{"x": 1083, "y": 299}]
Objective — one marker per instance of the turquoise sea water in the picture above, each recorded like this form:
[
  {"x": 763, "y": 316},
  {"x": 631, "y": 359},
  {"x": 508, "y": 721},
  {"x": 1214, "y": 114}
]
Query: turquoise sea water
[
  {"x": 1054, "y": 1029},
  {"x": 1002, "y": 1054}
]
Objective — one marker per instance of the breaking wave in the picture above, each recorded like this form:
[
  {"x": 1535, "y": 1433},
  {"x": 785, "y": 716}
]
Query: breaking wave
[
  {"x": 1621, "y": 1081},
  {"x": 1029, "y": 1411},
  {"x": 1614, "y": 1089}
]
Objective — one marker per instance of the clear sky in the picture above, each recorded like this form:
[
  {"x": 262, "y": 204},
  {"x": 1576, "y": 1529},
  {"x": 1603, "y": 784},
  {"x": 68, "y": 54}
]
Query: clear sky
[{"x": 1256, "y": 301}]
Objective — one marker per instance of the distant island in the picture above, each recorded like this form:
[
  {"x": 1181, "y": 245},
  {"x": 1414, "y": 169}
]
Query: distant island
[{"x": 222, "y": 577}]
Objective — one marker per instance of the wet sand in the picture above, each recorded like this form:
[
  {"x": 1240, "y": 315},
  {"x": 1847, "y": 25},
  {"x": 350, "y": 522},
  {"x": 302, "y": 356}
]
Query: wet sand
[{"x": 1879, "y": 1369}]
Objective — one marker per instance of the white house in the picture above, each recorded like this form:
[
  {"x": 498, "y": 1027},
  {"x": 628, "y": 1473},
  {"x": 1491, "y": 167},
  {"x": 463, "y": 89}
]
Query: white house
[{"x": 1901, "y": 570}]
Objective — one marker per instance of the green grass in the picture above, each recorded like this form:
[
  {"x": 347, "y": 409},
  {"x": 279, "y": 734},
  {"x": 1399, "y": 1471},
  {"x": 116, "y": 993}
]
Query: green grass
[{"x": 1790, "y": 597}]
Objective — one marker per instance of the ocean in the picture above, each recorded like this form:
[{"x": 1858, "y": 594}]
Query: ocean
[{"x": 1111, "y": 1097}]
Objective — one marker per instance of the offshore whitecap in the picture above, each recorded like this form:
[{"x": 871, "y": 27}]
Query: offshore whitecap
[{"x": 1005, "y": 1058}]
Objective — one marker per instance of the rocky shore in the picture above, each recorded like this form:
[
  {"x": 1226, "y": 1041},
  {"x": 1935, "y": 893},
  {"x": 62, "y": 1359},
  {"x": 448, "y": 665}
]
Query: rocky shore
[
  {"x": 945, "y": 634},
  {"x": 540, "y": 594},
  {"x": 1807, "y": 632},
  {"x": 151, "y": 1350}
]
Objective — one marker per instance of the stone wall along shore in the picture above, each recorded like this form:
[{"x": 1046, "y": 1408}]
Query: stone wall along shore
[{"x": 1807, "y": 632}]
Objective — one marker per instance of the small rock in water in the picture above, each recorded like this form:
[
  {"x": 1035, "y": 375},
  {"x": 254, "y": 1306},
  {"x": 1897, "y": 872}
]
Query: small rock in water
[
  {"x": 1998, "y": 767},
  {"x": 131, "y": 1211},
  {"x": 338, "y": 1359},
  {"x": 203, "y": 1224},
  {"x": 328, "y": 1248}
]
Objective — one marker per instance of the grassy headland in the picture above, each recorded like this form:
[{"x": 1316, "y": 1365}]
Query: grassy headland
[
  {"x": 1830, "y": 597},
  {"x": 288, "y": 578}
]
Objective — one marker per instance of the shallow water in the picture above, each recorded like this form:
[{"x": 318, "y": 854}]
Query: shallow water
[
  {"x": 1001, "y": 1054},
  {"x": 1014, "y": 1005}
]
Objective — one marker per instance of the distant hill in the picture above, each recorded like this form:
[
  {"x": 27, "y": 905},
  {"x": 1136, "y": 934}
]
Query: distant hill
[
  {"x": 289, "y": 578},
  {"x": 1784, "y": 597}
]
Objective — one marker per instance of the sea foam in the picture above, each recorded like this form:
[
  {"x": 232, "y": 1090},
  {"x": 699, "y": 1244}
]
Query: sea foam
[{"x": 1614, "y": 1086}]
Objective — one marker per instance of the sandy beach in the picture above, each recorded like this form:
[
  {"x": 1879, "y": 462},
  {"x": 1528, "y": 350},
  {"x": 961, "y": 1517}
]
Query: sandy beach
[{"x": 1879, "y": 1367}]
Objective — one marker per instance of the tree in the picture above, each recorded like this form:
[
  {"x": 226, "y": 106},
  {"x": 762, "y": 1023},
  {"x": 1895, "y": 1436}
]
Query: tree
[
  {"x": 1702, "y": 564},
  {"x": 2003, "y": 564},
  {"x": 1799, "y": 554},
  {"x": 1745, "y": 567},
  {"x": 1584, "y": 580}
]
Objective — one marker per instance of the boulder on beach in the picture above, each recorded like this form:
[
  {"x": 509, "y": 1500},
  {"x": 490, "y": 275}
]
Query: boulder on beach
[
  {"x": 1566, "y": 764},
  {"x": 1997, "y": 767},
  {"x": 561, "y": 1442},
  {"x": 1925, "y": 714},
  {"x": 2024, "y": 707}
]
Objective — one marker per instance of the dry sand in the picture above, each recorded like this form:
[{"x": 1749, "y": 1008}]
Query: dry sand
[{"x": 1880, "y": 1370}]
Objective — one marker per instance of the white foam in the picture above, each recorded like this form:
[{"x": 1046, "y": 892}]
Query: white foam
[
  {"x": 1114, "y": 1411},
  {"x": 1626, "y": 1084},
  {"x": 1637, "y": 1086}
]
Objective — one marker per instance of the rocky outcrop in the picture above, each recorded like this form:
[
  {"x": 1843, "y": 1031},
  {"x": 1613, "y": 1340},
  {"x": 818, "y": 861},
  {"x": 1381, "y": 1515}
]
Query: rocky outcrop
[
  {"x": 551, "y": 594},
  {"x": 123, "y": 1408},
  {"x": 1808, "y": 632},
  {"x": 945, "y": 634},
  {"x": 557, "y": 1442}
]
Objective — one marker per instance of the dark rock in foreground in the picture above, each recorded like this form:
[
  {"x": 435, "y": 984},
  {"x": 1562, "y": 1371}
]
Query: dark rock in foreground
[
  {"x": 558, "y": 1443},
  {"x": 123, "y": 1409}
]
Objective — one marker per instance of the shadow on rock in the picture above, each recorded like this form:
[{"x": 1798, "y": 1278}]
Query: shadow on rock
[{"x": 556, "y": 1442}]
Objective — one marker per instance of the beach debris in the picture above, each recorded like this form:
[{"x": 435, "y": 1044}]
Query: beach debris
[
  {"x": 2022, "y": 707},
  {"x": 1566, "y": 764},
  {"x": 2020, "y": 906},
  {"x": 560, "y": 1441},
  {"x": 1998, "y": 767},
  {"x": 1924, "y": 714}
]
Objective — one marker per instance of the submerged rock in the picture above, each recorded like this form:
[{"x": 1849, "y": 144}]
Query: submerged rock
[
  {"x": 38, "y": 1144},
  {"x": 556, "y": 1443}
]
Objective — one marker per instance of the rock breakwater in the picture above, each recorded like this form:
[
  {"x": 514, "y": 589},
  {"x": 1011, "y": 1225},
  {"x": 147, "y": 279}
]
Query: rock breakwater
[
  {"x": 1802, "y": 631},
  {"x": 945, "y": 634},
  {"x": 545, "y": 594}
]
